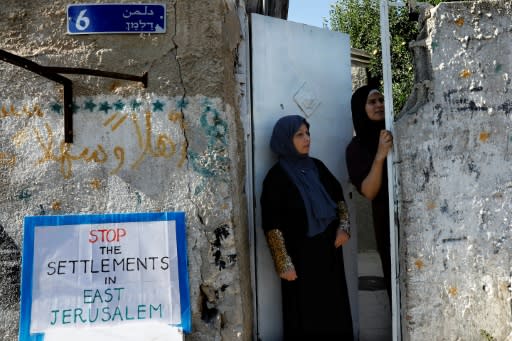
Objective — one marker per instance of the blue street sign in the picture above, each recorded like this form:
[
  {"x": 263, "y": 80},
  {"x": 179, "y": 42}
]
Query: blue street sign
[{"x": 116, "y": 18}]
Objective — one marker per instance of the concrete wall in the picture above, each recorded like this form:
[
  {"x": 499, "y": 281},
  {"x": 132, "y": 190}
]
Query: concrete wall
[
  {"x": 176, "y": 145},
  {"x": 454, "y": 169}
]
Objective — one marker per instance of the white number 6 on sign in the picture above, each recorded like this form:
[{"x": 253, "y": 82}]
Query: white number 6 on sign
[{"x": 82, "y": 22}]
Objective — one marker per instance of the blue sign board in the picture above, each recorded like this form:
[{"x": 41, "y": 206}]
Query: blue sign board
[{"x": 116, "y": 18}]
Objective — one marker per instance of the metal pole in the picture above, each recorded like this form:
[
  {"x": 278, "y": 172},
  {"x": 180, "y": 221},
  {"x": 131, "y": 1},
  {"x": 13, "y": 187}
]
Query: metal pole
[
  {"x": 388, "y": 104},
  {"x": 52, "y": 73}
]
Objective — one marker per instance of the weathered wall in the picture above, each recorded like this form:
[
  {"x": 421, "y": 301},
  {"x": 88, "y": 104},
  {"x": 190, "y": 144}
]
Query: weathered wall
[
  {"x": 454, "y": 168},
  {"x": 176, "y": 145},
  {"x": 359, "y": 76}
]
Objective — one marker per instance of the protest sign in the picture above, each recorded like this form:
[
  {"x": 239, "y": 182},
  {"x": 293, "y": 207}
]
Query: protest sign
[{"x": 95, "y": 271}]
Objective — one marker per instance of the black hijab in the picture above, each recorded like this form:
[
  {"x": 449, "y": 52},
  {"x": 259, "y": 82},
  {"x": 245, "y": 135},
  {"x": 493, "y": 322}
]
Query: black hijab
[
  {"x": 320, "y": 208},
  {"x": 367, "y": 131}
]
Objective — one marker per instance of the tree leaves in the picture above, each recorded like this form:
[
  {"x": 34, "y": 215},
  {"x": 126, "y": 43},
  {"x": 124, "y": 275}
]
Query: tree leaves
[{"x": 360, "y": 19}]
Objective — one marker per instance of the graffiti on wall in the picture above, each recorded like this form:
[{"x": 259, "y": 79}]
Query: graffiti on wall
[
  {"x": 120, "y": 134},
  {"x": 214, "y": 161},
  {"x": 149, "y": 144}
]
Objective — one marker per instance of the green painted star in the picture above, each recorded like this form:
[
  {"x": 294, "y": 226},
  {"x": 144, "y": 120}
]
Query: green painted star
[
  {"x": 158, "y": 106},
  {"x": 181, "y": 103},
  {"x": 119, "y": 105},
  {"x": 105, "y": 107},
  {"x": 89, "y": 105},
  {"x": 56, "y": 107},
  {"x": 135, "y": 104}
]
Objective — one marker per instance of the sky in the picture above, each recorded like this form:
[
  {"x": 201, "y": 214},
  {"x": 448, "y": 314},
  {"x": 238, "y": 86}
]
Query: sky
[{"x": 309, "y": 12}]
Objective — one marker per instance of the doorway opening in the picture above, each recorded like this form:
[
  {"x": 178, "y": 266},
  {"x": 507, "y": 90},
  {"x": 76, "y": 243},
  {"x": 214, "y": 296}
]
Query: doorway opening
[{"x": 375, "y": 319}]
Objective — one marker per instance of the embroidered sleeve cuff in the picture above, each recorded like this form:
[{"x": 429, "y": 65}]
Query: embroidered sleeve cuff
[
  {"x": 282, "y": 260},
  {"x": 343, "y": 217}
]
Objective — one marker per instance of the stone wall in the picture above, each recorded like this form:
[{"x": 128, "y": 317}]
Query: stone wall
[
  {"x": 454, "y": 147},
  {"x": 176, "y": 145}
]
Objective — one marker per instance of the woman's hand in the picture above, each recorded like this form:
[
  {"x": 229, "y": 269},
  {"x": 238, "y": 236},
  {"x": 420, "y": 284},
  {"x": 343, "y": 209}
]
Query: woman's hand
[
  {"x": 342, "y": 237},
  {"x": 385, "y": 145},
  {"x": 289, "y": 275},
  {"x": 370, "y": 186}
]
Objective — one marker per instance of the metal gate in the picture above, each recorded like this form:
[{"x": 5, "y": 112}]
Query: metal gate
[{"x": 305, "y": 70}]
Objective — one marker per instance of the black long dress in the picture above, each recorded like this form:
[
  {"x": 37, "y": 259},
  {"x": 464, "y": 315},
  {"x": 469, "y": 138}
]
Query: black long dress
[
  {"x": 359, "y": 163},
  {"x": 315, "y": 305}
]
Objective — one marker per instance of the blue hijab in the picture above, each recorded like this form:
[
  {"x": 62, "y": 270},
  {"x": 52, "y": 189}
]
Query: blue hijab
[{"x": 320, "y": 208}]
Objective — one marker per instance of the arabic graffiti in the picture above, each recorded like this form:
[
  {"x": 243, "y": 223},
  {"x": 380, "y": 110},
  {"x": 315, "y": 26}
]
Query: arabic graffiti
[
  {"x": 64, "y": 156},
  {"x": 162, "y": 146},
  {"x": 120, "y": 134},
  {"x": 214, "y": 161},
  {"x": 10, "y": 110}
]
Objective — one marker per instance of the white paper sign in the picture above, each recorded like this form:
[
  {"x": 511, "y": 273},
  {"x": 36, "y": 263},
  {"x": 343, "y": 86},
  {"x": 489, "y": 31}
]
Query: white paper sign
[{"x": 104, "y": 275}]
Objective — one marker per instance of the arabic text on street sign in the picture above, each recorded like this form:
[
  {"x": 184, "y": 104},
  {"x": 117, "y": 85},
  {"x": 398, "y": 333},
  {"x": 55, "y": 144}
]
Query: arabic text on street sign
[{"x": 116, "y": 18}]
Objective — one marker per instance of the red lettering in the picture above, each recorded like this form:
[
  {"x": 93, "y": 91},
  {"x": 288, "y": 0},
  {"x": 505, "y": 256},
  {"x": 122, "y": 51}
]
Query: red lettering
[
  {"x": 106, "y": 235},
  {"x": 103, "y": 231},
  {"x": 111, "y": 237},
  {"x": 93, "y": 238},
  {"x": 121, "y": 232}
]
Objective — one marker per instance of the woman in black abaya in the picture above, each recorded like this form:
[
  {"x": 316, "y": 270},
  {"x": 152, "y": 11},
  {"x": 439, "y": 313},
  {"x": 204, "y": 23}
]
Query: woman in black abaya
[
  {"x": 305, "y": 221},
  {"x": 366, "y": 162}
]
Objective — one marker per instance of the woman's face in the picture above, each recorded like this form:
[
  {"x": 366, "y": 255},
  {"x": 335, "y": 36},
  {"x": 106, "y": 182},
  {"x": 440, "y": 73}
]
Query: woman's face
[
  {"x": 301, "y": 140},
  {"x": 375, "y": 106}
]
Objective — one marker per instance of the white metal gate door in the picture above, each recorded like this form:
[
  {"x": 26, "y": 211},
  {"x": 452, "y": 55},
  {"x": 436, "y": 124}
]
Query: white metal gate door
[{"x": 297, "y": 69}]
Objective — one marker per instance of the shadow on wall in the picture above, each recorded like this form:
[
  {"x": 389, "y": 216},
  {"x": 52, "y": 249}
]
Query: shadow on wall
[{"x": 10, "y": 259}]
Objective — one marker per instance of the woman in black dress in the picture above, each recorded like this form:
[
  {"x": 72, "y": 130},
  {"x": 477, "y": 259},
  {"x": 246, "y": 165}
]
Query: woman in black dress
[
  {"x": 366, "y": 162},
  {"x": 305, "y": 221}
]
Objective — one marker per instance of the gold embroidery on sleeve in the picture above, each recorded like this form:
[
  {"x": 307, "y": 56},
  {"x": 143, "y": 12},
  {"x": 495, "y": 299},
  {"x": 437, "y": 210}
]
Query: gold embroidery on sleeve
[{"x": 282, "y": 260}]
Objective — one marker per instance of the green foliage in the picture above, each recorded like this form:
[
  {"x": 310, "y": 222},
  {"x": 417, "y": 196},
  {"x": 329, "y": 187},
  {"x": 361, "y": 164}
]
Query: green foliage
[{"x": 361, "y": 20}]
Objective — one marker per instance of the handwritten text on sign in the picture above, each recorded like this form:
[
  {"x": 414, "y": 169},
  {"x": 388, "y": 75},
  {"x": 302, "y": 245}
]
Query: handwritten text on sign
[{"x": 104, "y": 274}]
